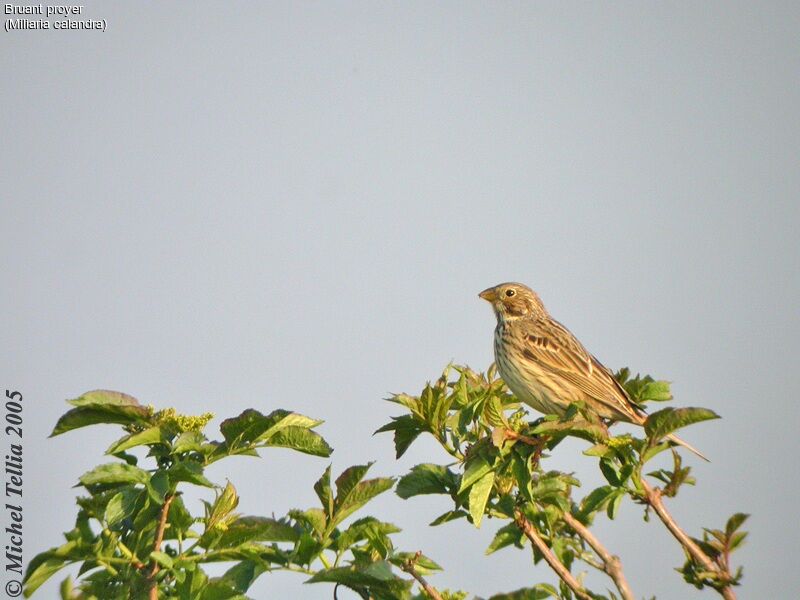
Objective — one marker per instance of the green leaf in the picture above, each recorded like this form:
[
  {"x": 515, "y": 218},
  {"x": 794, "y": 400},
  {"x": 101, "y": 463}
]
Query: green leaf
[
  {"x": 223, "y": 506},
  {"x": 665, "y": 421},
  {"x": 113, "y": 473},
  {"x": 67, "y": 589},
  {"x": 179, "y": 519},
  {"x": 102, "y": 406},
  {"x": 476, "y": 467},
  {"x": 613, "y": 506},
  {"x": 153, "y": 435},
  {"x": 121, "y": 505},
  {"x": 599, "y": 450},
  {"x": 366, "y": 528},
  {"x": 622, "y": 375},
  {"x": 563, "y": 551},
  {"x": 193, "y": 586},
  {"x": 162, "y": 558},
  {"x": 406, "y": 429},
  {"x": 450, "y": 515},
  {"x": 158, "y": 486},
  {"x": 306, "y": 549},
  {"x": 653, "y": 451},
  {"x": 380, "y": 570},
  {"x": 45, "y": 564},
  {"x": 128, "y": 458},
  {"x": 656, "y": 391},
  {"x": 637, "y": 387},
  {"x": 105, "y": 399},
  {"x": 242, "y": 575},
  {"x": 301, "y": 439},
  {"x": 505, "y": 505},
  {"x": 610, "y": 472},
  {"x": 505, "y": 536},
  {"x": 736, "y": 540},
  {"x": 595, "y": 501},
  {"x": 348, "y": 480},
  {"x": 439, "y": 418},
  {"x": 493, "y": 412},
  {"x": 220, "y": 590},
  {"x": 422, "y": 564},
  {"x": 552, "y": 488},
  {"x": 375, "y": 574},
  {"x": 191, "y": 441},
  {"x": 359, "y": 496},
  {"x": 323, "y": 489},
  {"x": 410, "y": 402},
  {"x": 257, "y": 529},
  {"x": 251, "y": 426},
  {"x": 313, "y": 517},
  {"x": 427, "y": 479},
  {"x": 188, "y": 471},
  {"x": 541, "y": 591},
  {"x": 479, "y": 496},
  {"x": 42, "y": 573},
  {"x": 735, "y": 522}
]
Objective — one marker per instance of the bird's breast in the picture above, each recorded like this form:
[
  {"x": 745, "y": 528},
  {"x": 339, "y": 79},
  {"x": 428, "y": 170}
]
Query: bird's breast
[{"x": 528, "y": 382}]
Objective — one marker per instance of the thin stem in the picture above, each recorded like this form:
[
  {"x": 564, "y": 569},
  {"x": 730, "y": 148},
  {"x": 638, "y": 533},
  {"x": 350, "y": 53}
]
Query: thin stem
[
  {"x": 296, "y": 569},
  {"x": 538, "y": 443},
  {"x": 162, "y": 525},
  {"x": 108, "y": 567},
  {"x": 510, "y": 434},
  {"x": 117, "y": 560},
  {"x": 409, "y": 567},
  {"x": 124, "y": 550},
  {"x": 612, "y": 565},
  {"x": 137, "y": 564},
  {"x": 530, "y": 532},
  {"x": 191, "y": 548},
  {"x": 451, "y": 450},
  {"x": 591, "y": 560},
  {"x": 654, "y": 499},
  {"x": 214, "y": 554}
]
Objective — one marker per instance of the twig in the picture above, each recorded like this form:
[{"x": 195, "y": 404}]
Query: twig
[
  {"x": 409, "y": 567},
  {"x": 124, "y": 550},
  {"x": 510, "y": 434},
  {"x": 162, "y": 525},
  {"x": 538, "y": 443},
  {"x": 654, "y": 499},
  {"x": 612, "y": 565},
  {"x": 530, "y": 532}
]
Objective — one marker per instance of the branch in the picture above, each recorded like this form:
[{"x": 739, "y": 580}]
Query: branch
[
  {"x": 653, "y": 497},
  {"x": 612, "y": 565},
  {"x": 409, "y": 567},
  {"x": 162, "y": 525},
  {"x": 530, "y": 532}
]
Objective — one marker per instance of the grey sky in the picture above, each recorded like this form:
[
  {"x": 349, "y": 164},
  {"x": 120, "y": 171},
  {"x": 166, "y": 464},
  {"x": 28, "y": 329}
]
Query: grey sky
[{"x": 218, "y": 206}]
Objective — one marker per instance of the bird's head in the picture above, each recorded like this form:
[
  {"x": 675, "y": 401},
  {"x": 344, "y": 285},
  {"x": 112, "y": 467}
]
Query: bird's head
[{"x": 513, "y": 301}]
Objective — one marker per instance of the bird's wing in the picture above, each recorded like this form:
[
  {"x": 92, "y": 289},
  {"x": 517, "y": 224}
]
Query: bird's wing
[{"x": 556, "y": 350}]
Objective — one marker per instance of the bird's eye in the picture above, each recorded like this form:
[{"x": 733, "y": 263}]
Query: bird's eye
[{"x": 510, "y": 293}]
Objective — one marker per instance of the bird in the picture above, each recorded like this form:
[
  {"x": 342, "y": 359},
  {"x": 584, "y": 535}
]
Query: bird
[{"x": 547, "y": 367}]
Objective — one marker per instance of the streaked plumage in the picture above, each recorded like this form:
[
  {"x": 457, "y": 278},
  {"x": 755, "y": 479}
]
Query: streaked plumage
[{"x": 545, "y": 366}]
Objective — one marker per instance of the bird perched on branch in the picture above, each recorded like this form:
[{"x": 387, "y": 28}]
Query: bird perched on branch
[{"x": 545, "y": 366}]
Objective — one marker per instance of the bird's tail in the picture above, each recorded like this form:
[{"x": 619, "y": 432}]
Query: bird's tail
[{"x": 675, "y": 439}]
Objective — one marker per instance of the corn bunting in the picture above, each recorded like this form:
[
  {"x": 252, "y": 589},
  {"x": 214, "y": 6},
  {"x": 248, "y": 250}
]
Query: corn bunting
[{"x": 545, "y": 366}]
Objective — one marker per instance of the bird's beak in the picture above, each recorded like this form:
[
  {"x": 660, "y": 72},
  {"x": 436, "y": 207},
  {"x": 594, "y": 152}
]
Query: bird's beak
[{"x": 490, "y": 295}]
